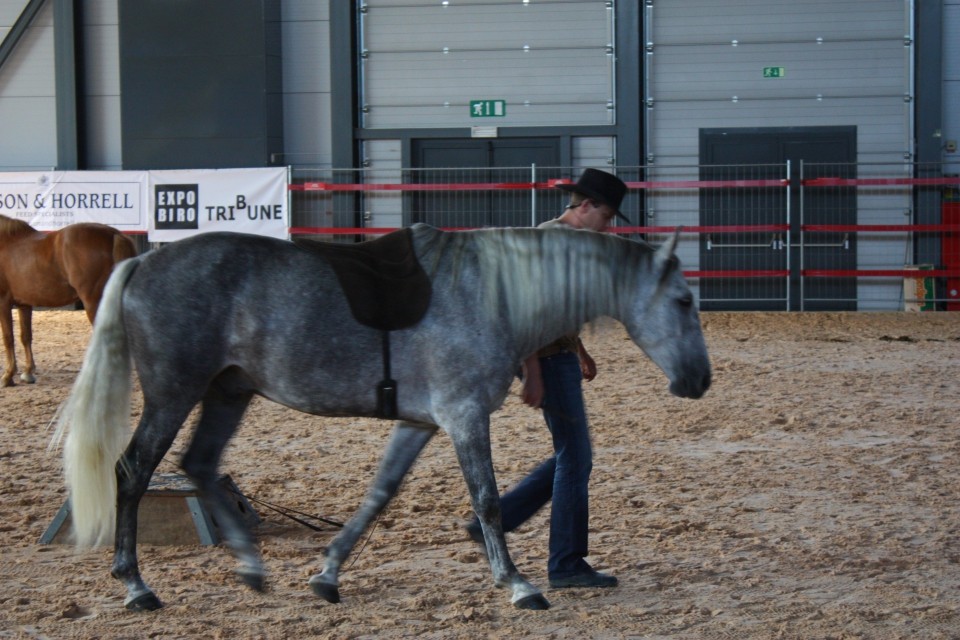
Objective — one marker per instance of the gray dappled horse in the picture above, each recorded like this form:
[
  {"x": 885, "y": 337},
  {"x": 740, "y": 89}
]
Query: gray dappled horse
[{"x": 217, "y": 318}]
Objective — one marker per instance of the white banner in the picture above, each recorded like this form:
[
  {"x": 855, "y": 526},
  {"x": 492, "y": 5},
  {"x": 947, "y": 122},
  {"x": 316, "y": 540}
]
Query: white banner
[
  {"x": 184, "y": 203},
  {"x": 51, "y": 200}
]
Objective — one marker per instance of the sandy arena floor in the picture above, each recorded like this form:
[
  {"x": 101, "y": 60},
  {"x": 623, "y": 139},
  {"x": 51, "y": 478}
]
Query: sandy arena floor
[{"x": 813, "y": 493}]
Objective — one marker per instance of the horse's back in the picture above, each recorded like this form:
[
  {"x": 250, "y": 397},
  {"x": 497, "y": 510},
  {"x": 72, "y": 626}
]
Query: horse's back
[
  {"x": 217, "y": 301},
  {"x": 213, "y": 272},
  {"x": 96, "y": 240}
]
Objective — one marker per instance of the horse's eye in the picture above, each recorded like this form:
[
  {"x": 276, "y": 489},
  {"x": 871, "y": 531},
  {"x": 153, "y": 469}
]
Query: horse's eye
[{"x": 686, "y": 300}]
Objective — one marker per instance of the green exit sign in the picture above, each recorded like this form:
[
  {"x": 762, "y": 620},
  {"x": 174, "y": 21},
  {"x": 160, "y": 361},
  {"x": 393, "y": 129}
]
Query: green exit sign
[
  {"x": 774, "y": 72},
  {"x": 488, "y": 108}
]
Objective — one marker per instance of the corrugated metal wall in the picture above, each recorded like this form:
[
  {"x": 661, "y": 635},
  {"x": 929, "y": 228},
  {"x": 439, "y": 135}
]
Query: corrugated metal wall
[
  {"x": 859, "y": 67},
  {"x": 28, "y": 102},
  {"x": 423, "y": 61},
  {"x": 28, "y": 133},
  {"x": 844, "y": 62}
]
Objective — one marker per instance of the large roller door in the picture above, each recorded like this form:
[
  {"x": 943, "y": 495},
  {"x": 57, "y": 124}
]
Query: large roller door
[
  {"x": 779, "y": 63},
  {"x": 550, "y": 62},
  {"x": 758, "y": 67}
]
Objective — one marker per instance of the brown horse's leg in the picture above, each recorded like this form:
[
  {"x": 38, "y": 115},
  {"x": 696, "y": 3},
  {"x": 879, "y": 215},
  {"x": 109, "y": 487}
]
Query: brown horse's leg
[
  {"x": 26, "y": 339},
  {"x": 6, "y": 326}
]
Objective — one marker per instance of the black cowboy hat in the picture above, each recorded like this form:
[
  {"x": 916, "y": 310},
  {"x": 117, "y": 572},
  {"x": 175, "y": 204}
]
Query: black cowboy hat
[{"x": 601, "y": 186}]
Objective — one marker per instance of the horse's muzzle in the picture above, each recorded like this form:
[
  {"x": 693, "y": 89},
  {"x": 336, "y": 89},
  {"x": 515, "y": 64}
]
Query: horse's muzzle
[{"x": 692, "y": 387}]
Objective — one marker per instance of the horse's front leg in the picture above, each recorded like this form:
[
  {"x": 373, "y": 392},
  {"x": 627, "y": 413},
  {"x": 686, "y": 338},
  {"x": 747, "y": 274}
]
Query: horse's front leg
[
  {"x": 406, "y": 443},
  {"x": 6, "y": 327},
  {"x": 26, "y": 339},
  {"x": 472, "y": 443}
]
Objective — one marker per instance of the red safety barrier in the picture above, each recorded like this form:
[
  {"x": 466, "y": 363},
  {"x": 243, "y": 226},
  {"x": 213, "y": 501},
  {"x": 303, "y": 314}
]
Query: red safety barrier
[
  {"x": 381, "y": 186},
  {"x": 741, "y": 228},
  {"x": 646, "y": 185},
  {"x": 949, "y": 228},
  {"x": 769, "y": 273},
  {"x": 690, "y": 184},
  {"x": 333, "y": 187},
  {"x": 881, "y": 182},
  {"x": 880, "y": 273},
  {"x": 868, "y": 228},
  {"x": 710, "y": 184}
]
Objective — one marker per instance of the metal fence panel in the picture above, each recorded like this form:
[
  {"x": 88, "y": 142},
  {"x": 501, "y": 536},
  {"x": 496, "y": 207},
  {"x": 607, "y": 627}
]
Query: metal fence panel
[{"x": 839, "y": 237}]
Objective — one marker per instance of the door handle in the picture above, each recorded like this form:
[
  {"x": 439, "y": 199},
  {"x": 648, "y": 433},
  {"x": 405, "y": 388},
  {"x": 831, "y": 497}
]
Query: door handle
[{"x": 776, "y": 243}]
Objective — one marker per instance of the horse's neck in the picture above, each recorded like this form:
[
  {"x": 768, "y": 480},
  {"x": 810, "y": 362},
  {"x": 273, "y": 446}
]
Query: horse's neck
[
  {"x": 11, "y": 228},
  {"x": 549, "y": 283}
]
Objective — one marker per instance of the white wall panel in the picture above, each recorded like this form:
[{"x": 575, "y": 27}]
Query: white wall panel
[
  {"x": 100, "y": 12},
  {"x": 423, "y": 62},
  {"x": 880, "y": 121},
  {"x": 383, "y": 163},
  {"x": 845, "y": 63},
  {"x": 305, "y": 10},
  {"x": 27, "y": 95},
  {"x": 306, "y": 130},
  {"x": 951, "y": 81},
  {"x": 28, "y": 141},
  {"x": 29, "y": 72},
  {"x": 598, "y": 152},
  {"x": 9, "y": 11},
  {"x": 101, "y": 58},
  {"x": 700, "y": 21},
  {"x": 832, "y": 68},
  {"x": 306, "y": 83},
  {"x": 104, "y": 143},
  {"x": 306, "y": 57}
]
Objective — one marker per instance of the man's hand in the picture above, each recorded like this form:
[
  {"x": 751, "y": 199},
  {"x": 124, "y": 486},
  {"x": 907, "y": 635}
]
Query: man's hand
[
  {"x": 532, "y": 390},
  {"x": 587, "y": 366}
]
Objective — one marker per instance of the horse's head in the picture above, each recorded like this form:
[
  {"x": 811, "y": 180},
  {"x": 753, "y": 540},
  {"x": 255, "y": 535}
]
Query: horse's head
[{"x": 662, "y": 320}]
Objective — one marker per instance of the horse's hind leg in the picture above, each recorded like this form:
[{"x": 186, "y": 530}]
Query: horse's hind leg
[
  {"x": 6, "y": 328},
  {"x": 152, "y": 439},
  {"x": 406, "y": 443},
  {"x": 26, "y": 339},
  {"x": 222, "y": 410}
]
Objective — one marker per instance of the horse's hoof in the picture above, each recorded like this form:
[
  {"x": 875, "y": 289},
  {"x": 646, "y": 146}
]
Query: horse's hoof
[
  {"x": 254, "y": 580},
  {"x": 327, "y": 591},
  {"x": 144, "y": 602},
  {"x": 534, "y": 602},
  {"x": 27, "y": 378}
]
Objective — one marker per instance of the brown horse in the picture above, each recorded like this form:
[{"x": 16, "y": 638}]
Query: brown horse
[{"x": 52, "y": 270}]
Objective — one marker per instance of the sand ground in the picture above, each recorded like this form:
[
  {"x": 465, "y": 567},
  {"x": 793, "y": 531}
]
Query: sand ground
[{"x": 813, "y": 493}]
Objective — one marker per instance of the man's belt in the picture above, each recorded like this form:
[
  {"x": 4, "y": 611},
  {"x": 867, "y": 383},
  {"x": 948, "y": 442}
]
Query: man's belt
[{"x": 552, "y": 350}]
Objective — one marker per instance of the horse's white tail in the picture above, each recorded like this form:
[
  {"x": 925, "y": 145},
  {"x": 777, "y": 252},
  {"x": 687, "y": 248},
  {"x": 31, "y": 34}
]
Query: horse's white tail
[{"x": 95, "y": 418}]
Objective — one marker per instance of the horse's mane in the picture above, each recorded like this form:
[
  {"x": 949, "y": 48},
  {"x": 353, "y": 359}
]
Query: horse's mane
[
  {"x": 13, "y": 228},
  {"x": 577, "y": 275}
]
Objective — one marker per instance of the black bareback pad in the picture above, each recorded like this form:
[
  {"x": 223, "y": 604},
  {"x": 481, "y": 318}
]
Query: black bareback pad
[{"x": 382, "y": 279}]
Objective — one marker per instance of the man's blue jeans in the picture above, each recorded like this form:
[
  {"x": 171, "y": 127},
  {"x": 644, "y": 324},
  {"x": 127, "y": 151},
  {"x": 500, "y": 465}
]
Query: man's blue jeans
[{"x": 564, "y": 477}]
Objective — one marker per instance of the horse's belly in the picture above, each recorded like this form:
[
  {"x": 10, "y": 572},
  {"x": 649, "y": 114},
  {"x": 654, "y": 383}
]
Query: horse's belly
[{"x": 43, "y": 293}]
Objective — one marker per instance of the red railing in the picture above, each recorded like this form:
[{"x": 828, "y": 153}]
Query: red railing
[{"x": 820, "y": 182}]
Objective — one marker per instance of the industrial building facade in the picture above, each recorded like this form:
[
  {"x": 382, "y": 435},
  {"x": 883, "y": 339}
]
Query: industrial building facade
[{"x": 683, "y": 87}]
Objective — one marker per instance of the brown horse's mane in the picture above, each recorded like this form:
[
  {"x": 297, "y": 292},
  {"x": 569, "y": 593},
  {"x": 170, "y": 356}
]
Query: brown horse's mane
[{"x": 13, "y": 228}]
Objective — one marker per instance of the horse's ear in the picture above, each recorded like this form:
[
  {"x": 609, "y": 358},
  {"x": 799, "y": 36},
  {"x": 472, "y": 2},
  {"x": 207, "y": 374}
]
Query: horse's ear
[{"x": 666, "y": 251}]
